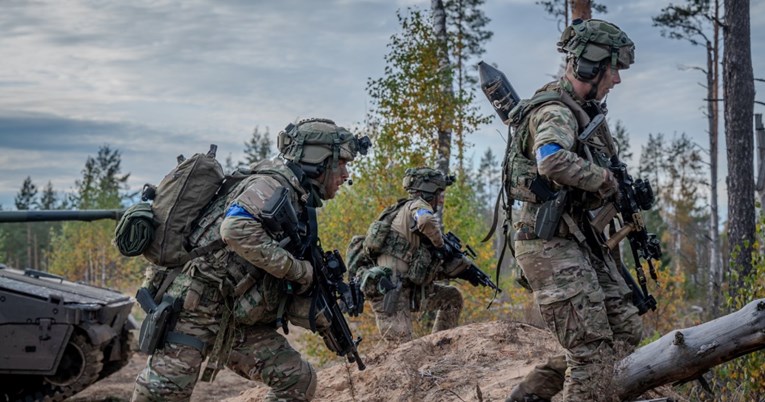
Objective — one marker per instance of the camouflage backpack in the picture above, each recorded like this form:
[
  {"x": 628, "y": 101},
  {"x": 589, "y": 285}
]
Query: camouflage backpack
[
  {"x": 179, "y": 203},
  {"x": 362, "y": 250}
]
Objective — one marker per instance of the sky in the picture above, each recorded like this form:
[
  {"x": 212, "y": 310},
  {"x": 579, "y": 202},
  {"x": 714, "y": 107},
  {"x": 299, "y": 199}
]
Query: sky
[{"x": 154, "y": 79}]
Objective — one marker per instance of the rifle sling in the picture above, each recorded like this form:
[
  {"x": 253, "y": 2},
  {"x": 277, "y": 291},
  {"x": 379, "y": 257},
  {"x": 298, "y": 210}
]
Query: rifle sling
[
  {"x": 172, "y": 273},
  {"x": 315, "y": 260},
  {"x": 495, "y": 218}
]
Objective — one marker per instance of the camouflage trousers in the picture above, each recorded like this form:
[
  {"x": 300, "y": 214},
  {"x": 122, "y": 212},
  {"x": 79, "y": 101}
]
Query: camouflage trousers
[
  {"x": 587, "y": 306},
  {"x": 445, "y": 301},
  {"x": 259, "y": 352}
]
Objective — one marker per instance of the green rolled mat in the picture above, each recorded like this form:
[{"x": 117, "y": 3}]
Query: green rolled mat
[{"x": 135, "y": 231}]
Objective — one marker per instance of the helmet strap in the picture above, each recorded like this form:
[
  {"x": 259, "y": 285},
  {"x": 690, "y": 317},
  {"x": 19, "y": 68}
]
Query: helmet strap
[{"x": 595, "y": 83}]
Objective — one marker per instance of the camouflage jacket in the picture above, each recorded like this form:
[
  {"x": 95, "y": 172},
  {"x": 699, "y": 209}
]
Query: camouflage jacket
[
  {"x": 242, "y": 231},
  {"x": 555, "y": 123},
  {"x": 405, "y": 252}
]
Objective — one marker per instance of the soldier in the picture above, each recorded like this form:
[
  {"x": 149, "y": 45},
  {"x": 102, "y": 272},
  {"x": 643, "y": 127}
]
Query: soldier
[
  {"x": 234, "y": 297},
  {"x": 407, "y": 261},
  {"x": 583, "y": 299}
]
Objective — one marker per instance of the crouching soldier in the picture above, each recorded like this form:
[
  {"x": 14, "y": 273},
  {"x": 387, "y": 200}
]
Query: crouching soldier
[
  {"x": 235, "y": 298},
  {"x": 404, "y": 244}
]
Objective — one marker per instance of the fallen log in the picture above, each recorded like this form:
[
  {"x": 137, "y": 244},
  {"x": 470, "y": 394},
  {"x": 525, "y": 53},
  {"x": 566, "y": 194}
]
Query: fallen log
[{"x": 685, "y": 354}]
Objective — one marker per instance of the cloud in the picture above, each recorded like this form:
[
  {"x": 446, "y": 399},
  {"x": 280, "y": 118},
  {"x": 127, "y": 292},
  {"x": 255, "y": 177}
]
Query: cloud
[
  {"x": 162, "y": 77},
  {"x": 54, "y": 148}
]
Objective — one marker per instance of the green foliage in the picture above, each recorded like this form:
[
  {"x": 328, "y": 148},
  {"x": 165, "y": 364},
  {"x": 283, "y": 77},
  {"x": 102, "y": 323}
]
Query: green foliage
[
  {"x": 407, "y": 105},
  {"x": 257, "y": 148},
  {"x": 84, "y": 250},
  {"x": 466, "y": 36},
  {"x": 101, "y": 181},
  {"x": 622, "y": 140},
  {"x": 27, "y": 245},
  {"x": 686, "y": 22},
  {"x": 26, "y": 198},
  {"x": 743, "y": 379},
  {"x": 408, "y": 108},
  {"x": 49, "y": 198},
  {"x": 680, "y": 219}
]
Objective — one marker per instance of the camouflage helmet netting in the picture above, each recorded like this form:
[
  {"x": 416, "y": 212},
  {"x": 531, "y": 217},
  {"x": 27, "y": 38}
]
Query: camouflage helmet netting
[
  {"x": 314, "y": 140},
  {"x": 426, "y": 180},
  {"x": 598, "y": 40}
]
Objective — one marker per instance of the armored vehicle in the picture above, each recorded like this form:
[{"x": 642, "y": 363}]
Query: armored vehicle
[{"x": 56, "y": 336}]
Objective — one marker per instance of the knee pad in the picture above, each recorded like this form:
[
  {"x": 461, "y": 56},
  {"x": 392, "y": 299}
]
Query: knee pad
[
  {"x": 298, "y": 384},
  {"x": 308, "y": 381}
]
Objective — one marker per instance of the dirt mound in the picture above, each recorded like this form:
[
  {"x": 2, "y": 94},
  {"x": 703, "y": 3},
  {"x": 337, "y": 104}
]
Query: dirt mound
[
  {"x": 476, "y": 362},
  {"x": 485, "y": 359}
]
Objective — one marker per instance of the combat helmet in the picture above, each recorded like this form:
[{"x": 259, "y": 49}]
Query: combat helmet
[
  {"x": 592, "y": 43},
  {"x": 427, "y": 181},
  {"x": 316, "y": 143}
]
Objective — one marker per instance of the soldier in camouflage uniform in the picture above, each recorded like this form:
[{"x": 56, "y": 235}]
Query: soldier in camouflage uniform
[
  {"x": 402, "y": 280},
  {"x": 582, "y": 297},
  {"x": 234, "y": 297}
]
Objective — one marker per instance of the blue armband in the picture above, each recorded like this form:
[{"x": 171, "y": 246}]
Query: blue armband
[
  {"x": 420, "y": 212},
  {"x": 237, "y": 211},
  {"x": 546, "y": 150}
]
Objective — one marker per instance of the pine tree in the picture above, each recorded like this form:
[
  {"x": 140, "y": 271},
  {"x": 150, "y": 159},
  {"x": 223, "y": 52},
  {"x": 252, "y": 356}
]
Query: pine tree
[
  {"x": 738, "y": 88},
  {"x": 26, "y": 198},
  {"x": 693, "y": 22},
  {"x": 83, "y": 250},
  {"x": 48, "y": 198},
  {"x": 257, "y": 148}
]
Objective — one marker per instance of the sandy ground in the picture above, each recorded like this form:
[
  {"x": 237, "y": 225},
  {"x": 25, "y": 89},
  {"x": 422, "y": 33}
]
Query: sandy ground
[
  {"x": 451, "y": 365},
  {"x": 119, "y": 386},
  {"x": 476, "y": 362}
]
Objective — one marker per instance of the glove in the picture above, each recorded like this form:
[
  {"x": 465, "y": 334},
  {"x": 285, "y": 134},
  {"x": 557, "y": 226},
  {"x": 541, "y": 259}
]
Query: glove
[
  {"x": 609, "y": 187},
  {"x": 456, "y": 266},
  {"x": 376, "y": 280},
  {"x": 301, "y": 273},
  {"x": 385, "y": 284}
]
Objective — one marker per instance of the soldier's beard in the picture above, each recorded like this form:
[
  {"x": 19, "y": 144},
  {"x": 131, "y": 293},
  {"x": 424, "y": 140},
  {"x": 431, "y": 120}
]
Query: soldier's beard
[{"x": 327, "y": 185}]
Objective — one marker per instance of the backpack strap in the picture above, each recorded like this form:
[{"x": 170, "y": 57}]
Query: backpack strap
[
  {"x": 519, "y": 122},
  {"x": 389, "y": 213},
  {"x": 172, "y": 273}
]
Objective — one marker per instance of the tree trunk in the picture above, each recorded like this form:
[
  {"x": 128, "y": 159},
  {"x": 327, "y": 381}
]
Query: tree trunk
[
  {"x": 760, "y": 157},
  {"x": 738, "y": 86},
  {"x": 444, "y": 127},
  {"x": 30, "y": 261},
  {"x": 713, "y": 84},
  {"x": 685, "y": 354},
  {"x": 581, "y": 9}
]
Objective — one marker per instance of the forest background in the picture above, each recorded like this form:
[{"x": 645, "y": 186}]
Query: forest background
[{"x": 423, "y": 110}]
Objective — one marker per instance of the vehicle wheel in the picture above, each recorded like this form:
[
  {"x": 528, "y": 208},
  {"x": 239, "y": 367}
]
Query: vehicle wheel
[
  {"x": 79, "y": 367},
  {"x": 125, "y": 342}
]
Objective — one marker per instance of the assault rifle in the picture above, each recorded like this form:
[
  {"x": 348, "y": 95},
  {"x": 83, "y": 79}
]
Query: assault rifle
[
  {"x": 634, "y": 196},
  {"x": 278, "y": 216},
  {"x": 473, "y": 274}
]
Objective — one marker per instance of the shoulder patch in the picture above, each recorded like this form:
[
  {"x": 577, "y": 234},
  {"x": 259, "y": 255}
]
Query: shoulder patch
[{"x": 236, "y": 210}]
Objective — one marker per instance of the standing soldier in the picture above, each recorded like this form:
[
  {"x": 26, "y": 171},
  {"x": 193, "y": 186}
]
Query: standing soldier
[
  {"x": 404, "y": 243},
  {"x": 234, "y": 297},
  {"x": 583, "y": 299}
]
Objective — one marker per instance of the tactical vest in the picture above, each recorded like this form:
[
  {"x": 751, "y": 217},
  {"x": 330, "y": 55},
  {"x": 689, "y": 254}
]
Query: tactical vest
[
  {"x": 232, "y": 268},
  {"x": 422, "y": 266},
  {"x": 518, "y": 171}
]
